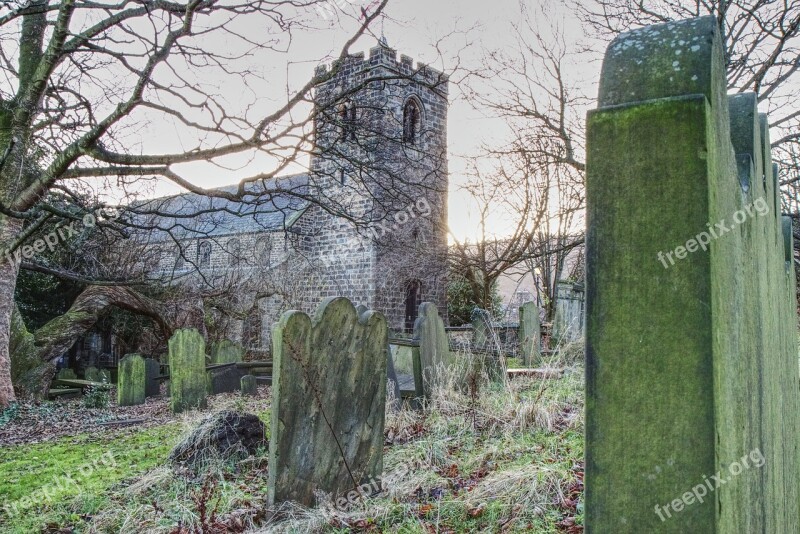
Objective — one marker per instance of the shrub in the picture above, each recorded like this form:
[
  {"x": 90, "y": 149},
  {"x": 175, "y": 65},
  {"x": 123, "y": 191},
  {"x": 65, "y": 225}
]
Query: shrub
[{"x": 97, "y": 397}]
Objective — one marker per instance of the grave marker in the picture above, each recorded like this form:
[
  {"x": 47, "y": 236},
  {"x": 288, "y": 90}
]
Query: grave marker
[
  {"x": 131, "y": 381},
  {"x": 691, "y": 358},
  {"x": 329, "y": 397},
  {"x": 187, "y": 369}
]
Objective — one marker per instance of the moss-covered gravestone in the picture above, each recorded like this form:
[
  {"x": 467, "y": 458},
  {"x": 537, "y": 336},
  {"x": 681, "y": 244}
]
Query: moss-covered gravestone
[
  {"x": 131, "y": 381},
  {"x": 226, "y": 351},
  {"x": 692, "y": 401},
  {"x": 66, "y": 374},
  {"x": 249, "y": 386},
  {"x": 187, "y": 369},
  {"x": 529, "y": 334},
  {"x": 91, "y": 374},
  {"x": 329, "y": 397},
  {"x": 434, "y": 347},
  {"x": 152, "y": 370}
]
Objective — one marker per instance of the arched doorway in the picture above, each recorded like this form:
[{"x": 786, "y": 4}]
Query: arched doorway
[{"x": 413, "y": 300}]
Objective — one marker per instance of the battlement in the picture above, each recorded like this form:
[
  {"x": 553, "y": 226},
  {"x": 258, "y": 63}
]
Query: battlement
[{"x": 385, "y": 57}]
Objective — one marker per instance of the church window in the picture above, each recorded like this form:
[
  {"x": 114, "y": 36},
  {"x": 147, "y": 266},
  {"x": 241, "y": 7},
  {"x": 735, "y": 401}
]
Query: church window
[
  {"x": 204, "y": 254},
  {"x": 411, "y": 122},
  {"x": 347, "y": 115}
]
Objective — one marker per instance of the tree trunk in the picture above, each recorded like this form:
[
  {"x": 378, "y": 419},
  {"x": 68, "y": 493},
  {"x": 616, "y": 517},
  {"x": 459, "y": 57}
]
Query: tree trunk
[
  {"x": 34, "y": 353},
  {"x": 9, "y": 268}
]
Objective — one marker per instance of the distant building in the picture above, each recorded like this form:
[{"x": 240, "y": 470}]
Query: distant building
[{"x": 283, "y": 250}]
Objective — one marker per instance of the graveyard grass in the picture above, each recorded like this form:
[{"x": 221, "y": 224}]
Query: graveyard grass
[{"x": 495, "y": 457}]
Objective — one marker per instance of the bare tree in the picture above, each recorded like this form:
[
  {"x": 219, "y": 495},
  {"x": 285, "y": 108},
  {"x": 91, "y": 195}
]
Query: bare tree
[
  {"x": 80, "y": 77},
  {"x": 528, "y": 86}
]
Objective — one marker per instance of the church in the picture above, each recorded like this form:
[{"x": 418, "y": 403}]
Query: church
[{"x": 368, "y": 221}]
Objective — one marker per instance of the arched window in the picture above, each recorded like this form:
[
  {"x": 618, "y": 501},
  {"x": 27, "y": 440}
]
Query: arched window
[
  {"x": 411, "y": 122},
  {"x": 347, "y": 116},
  {"x": 413, "y": 300},
  {"x": 204, "y": 254}
]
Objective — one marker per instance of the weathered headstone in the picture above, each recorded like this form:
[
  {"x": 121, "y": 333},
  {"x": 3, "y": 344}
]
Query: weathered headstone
[
  {"x": 434, "y": 347},
  {"x": 187, "y": 370},
  {"x": 92, "y": 374},
  {"x": 249, "y": 386},
  {"x": 329, "y": 397},
  {"x": 226, "y": 351},
  {"x": 131, "y": 381},
  {"x": 691, "y": 361},
  {"x": 225, "y": 380},
  {"x": 66, "y": 374},
  {"x": 529, "y": 334},
  {"x": 152, "y": 370},
  {"x": 481, "y": 328}
]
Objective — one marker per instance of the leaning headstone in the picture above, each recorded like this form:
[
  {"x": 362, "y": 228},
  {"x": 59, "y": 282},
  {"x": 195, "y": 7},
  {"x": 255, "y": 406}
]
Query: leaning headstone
[
  {"x": 329, "y": 397},
  {"x": 187, "y": 369},
  {"x": 692, "y": 398},
  {"x": 152, "y": 370},
  {"x": 249, "y": 386},
  {"x": 226, "y": 351},
  {"x": 529, "y": 334},
  {"x": 131, "y": 381},
  {"x": 434, "y": 347},
  {"x": 486, "y": 345},
  {"x": 66, "y": 374}
]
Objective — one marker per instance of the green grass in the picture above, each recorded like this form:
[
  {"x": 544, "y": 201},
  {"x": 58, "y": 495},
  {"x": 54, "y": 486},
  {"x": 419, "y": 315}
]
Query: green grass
[
  {"x": 509, "y": 457},
  {"x": 95, "y": 462}
]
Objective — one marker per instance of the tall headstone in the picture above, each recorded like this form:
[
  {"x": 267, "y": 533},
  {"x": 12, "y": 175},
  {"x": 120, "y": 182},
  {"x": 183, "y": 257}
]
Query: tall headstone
[
  {"x": 530, "y": 331},
  {"x": 152, "y": 370},
  {"x": 434, "y": 347},
  {"x": 692, "y": 374},
  {"x": 187, "y": 370},
  {"x": 329, "y": 400},
  {"x": 131, "y": 381}
]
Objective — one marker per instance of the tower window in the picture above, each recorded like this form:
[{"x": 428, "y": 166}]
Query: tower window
[
  {"x": 411, "y": 119},
  {"x": 347, "y": 115},
  {"x": 204, "y": 254}
]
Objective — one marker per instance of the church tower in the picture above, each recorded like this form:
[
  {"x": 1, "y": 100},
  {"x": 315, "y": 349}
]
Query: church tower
[{"x": 381, "y": 156}]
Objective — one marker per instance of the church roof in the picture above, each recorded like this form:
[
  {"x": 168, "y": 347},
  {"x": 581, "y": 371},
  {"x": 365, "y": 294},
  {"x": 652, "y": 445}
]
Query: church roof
[{"x": 268, "y": 206}]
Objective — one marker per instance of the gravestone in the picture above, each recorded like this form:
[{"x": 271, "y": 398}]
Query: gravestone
[
  {"x": 249, "y": 386},
  {"x": 481, "y": 328},
  {"x": 91, "y": 374},
  {"x": 131, "y": 381},
  {"x": 529, "y": 334},
  {"x": 152, "y": 370},
  {"x": 187, "y": 369},
  {"x": 226, "y": 380},
  {"x": 690, "y": 334},
  {"x": 226, "y": 351},
  {"x": 329, "y": 397},
  {"x": 66, "y": 374},
  {"x": 434, "y": 347}
]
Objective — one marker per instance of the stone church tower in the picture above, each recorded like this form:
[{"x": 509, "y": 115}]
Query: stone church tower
[{"x": 381, "y": 155}]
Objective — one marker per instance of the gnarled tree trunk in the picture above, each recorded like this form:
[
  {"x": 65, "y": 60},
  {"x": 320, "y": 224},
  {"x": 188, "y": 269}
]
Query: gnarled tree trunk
[{"x": 33, "y": 354}]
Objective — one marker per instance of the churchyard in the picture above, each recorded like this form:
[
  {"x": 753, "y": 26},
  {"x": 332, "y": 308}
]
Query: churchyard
[{"x": 680, "y": 413}]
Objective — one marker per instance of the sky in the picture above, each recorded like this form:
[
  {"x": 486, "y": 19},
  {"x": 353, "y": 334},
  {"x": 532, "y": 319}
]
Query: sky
[{"x": 443, "y": 33}]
